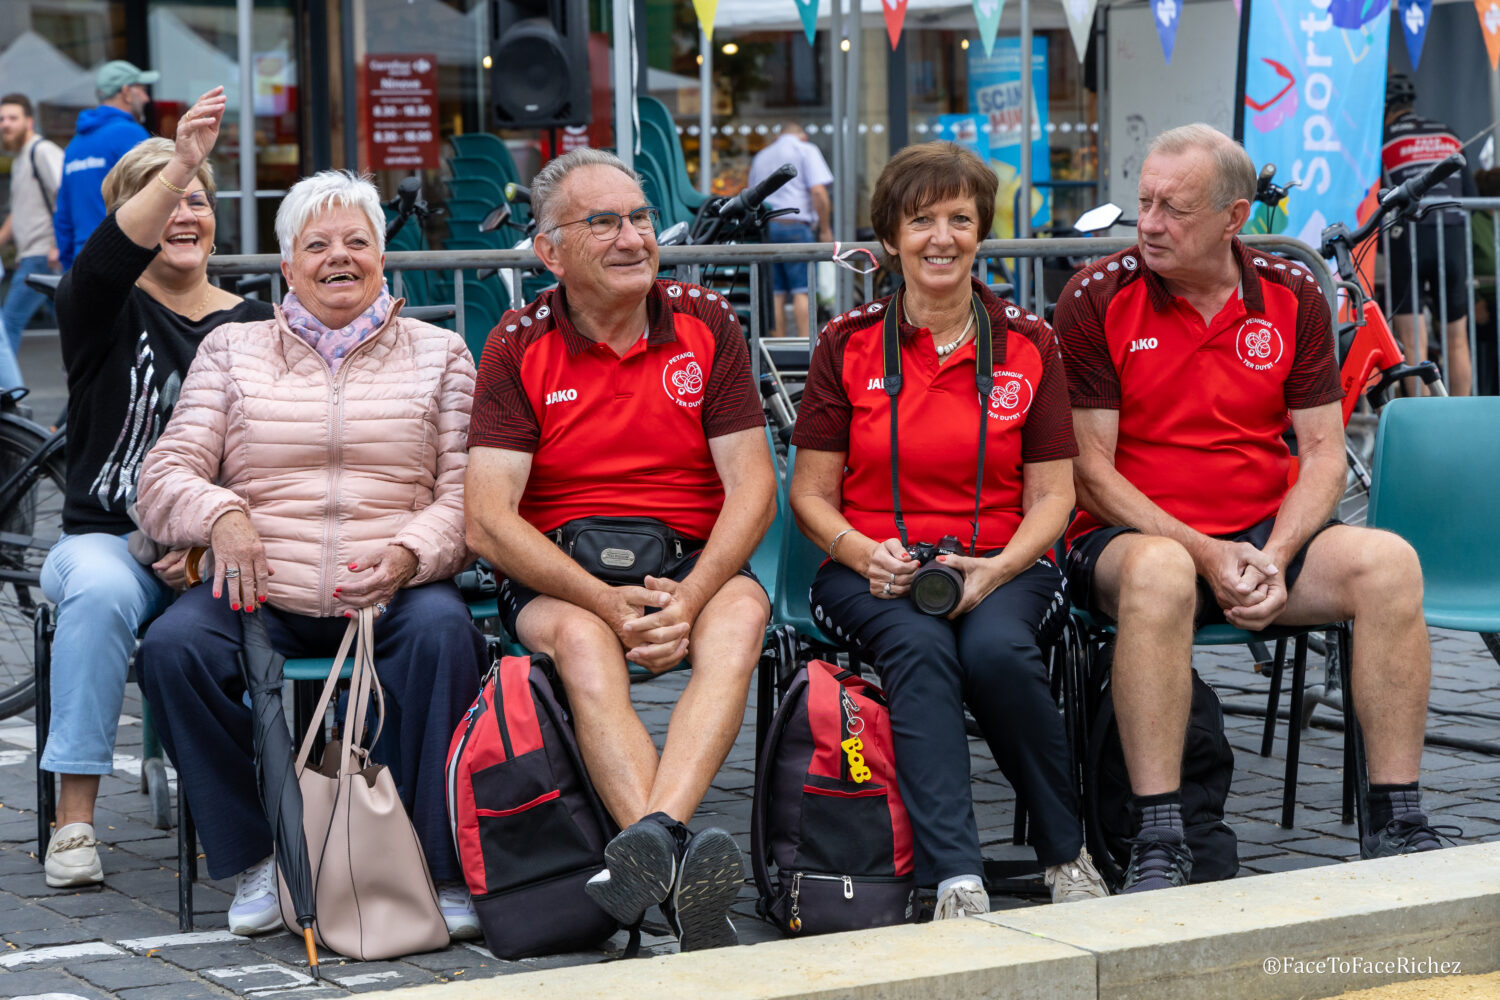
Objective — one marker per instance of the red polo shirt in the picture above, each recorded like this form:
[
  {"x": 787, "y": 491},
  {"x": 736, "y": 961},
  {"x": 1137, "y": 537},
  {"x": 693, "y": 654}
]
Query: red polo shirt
[
  {"x": 1202, "y": 406},
  {"x": 623, "y": 436},
  {"x": 845, "y": 408}
]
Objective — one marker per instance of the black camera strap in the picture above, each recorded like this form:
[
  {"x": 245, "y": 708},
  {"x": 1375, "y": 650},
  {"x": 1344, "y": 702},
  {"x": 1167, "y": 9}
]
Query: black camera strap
[{"x": 984, "y": 381}]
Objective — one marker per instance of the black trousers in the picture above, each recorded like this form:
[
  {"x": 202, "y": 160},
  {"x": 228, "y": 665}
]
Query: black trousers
[
  {"x": 990, "y": 660},
  {"x": 428, "y": 656}
]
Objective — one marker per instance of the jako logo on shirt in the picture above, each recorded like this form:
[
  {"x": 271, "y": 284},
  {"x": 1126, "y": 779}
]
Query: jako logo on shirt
[
  {"x": 682, "y": 378},
  {"x": 562, "y": 396},
  {"x": 1011, "y": 396},
  {"x": 876, "y": 384},
  {"x": 1258, "y": 345},
  {"x": 1143, "y": 344}
]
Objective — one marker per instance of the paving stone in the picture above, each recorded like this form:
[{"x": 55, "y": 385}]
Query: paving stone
[
  {"x": 362, "y": 977},
  {"x": 126, "y": 973},
  {"x": 256, "y": 977},
  {"x": 195, "y": 957},
  {"x": 91, "y": 903},
  {"x": 40, "y": 982},
  {"x": 141, "y": 922},
  {"x": 1287, "y": 863},
  {"x": 193, "y": 989}
]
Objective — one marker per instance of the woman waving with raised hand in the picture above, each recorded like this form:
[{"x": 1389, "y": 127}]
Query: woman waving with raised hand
[{"x": 131, "y": 313}]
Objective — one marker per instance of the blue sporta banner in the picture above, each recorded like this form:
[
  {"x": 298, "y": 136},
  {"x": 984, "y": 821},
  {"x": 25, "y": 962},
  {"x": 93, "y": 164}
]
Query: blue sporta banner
[{"x": 1314, "y": 103}]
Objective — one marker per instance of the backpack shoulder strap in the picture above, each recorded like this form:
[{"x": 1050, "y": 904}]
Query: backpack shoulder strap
[{"x": 759, "y": 848}]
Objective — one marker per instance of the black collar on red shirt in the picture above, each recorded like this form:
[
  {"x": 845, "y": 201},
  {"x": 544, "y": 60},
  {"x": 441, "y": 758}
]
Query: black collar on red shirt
[
  {"x": 659, "y": 326},
  {"x": 993, "y": 305},
  {"x": 1255, "y": 301}
]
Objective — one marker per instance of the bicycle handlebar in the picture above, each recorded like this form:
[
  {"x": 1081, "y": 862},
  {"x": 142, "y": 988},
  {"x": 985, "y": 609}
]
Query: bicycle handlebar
[
  {"x": 1400, "y": 199},
  {"x": 750, "y": 199}
]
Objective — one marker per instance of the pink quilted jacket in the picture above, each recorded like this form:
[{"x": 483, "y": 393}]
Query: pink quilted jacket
[{"x": 329, "y": 469}]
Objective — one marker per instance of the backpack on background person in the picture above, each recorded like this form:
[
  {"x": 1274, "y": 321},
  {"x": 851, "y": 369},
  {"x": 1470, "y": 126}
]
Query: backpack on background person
[{"x": 828, "y": 813}]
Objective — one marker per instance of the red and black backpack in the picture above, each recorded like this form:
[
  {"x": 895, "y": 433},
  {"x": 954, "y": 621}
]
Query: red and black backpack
[
  {"x": 827, "y": 810},
  {"x": 529, "y": 828}
]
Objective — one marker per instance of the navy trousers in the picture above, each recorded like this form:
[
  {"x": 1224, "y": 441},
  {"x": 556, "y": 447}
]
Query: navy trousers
[
  {"x": 990, "y": 660},
  {"x": 428, "y": 655}
]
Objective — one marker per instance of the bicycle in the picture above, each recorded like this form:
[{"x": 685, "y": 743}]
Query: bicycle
[{"x": 32, "y": 490}]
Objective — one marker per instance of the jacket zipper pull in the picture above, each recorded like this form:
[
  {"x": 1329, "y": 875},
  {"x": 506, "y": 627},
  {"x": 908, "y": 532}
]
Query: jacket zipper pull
[
  {"x": 677, "y": 545},
  {"x": 848, "y": 887}
]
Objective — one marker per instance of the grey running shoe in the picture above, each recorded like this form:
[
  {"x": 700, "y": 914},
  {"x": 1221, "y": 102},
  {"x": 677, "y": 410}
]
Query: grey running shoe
[
  {"x": 1409, "y": 834},
  {"x": 963, "y": 899},
  {"x": 1159, "y": 859},
  {"x": 641, "y": 866},
  {"x": 1078, "y": 879},
  {"x": 710, "y": 878}
]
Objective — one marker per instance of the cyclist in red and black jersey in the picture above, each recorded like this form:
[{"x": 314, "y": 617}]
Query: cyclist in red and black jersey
[
  {"x": 1187, "y": 357},
  {"x": 1412, "y": 146}
]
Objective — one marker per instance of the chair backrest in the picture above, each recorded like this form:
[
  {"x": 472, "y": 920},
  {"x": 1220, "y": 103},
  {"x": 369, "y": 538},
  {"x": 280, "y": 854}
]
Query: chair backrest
[
  {"x": 798, "y": 565},
  {"x": 765, "y": 560},
  {"x": 1436, "y": 472},
  {"x": 655, "y": 113}
]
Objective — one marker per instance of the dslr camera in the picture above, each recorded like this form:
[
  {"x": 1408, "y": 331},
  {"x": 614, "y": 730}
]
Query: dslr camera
[{"x": 936, "y": 588}]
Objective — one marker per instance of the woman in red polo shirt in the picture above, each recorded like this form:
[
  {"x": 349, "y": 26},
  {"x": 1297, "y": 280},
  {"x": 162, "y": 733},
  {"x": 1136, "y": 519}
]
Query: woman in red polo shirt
[{"x": 931, "y": 206}]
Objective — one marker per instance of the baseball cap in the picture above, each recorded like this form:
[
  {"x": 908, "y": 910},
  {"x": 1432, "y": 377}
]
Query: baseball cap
[{"x": 117, "y": 74}]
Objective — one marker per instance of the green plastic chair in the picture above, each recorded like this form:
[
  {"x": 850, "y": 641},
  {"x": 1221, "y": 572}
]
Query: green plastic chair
[
  {"x": 799, "y": 562},
  {"x": 481, "y": 167},
  {"x": 475, "y": 189},
  {"x": 655, "y": 112},
  {"x": 488, "y": 146},
  {"x": 1432, "y": 485}
]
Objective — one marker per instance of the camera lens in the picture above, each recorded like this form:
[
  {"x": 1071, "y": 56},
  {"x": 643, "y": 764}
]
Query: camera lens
[{"x": 936, "y": 588}]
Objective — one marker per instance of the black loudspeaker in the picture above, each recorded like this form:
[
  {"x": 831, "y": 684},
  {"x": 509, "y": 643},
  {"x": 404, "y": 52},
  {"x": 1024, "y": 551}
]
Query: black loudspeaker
[{"x": 539, "y": 74}]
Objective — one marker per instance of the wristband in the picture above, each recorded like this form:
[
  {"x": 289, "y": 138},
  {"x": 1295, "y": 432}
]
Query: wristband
[
  {"x": 169, "y": 185},
  {"x": 833, "y": 545}
]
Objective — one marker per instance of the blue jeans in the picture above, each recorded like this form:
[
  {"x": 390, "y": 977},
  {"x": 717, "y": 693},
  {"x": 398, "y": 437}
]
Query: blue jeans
[
  {"x": 790, "y": 277},
  {"x": 103, "y": 597},
  {"x": 20, "y": 305}
]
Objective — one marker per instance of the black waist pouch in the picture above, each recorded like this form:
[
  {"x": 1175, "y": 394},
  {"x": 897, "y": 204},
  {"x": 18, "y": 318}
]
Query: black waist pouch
[{"x": 623, "y": 550}]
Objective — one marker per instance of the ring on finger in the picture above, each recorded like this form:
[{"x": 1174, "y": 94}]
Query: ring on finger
[
  {"x": 231, "y": 572},
  {"x": 886, "y": 590},
  {"x": 381, "y": 608}
]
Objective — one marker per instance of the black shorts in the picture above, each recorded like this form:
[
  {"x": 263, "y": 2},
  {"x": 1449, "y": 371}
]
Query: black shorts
[
  {"x": 1083, "y": 557},
  {"x": 514, "y": 596},
  {"x": 1455, "y": 269}
]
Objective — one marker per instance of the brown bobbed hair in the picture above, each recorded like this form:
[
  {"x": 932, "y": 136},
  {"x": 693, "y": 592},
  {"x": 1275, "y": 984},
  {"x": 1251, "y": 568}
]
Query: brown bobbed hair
[
  {"x": 925, "y": 173},
  {"x": 140, "y": 166}
]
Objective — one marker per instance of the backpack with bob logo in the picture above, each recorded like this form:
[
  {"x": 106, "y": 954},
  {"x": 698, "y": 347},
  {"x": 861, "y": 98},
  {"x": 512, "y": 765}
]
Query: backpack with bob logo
[
  {"x": 828, "y": 814},
  {"x": 529, "y": 828}
]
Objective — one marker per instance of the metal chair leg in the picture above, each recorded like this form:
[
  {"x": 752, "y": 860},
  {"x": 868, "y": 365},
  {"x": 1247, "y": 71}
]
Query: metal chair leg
[
  {"x": 1273, "y": 702},
  {"x": 46, "y": 781},
  {"x": 1356, "y": 775},
  {"x": 1293, "y": 728}
]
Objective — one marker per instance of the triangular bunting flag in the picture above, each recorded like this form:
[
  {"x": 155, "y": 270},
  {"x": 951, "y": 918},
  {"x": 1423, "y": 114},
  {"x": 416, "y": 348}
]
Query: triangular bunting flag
[
  {"x": 809, "y": 11},
  {"x": 707, "y": 9},
  {"x": 987, "y": 12},
  {"x": 895, "y": 16},
  {"x": 1165, "y": 13},
  {"x": 1489, "y": 20},
  {"x": 1415, "y": 16},
  {"x": 1080, "y": 14}
]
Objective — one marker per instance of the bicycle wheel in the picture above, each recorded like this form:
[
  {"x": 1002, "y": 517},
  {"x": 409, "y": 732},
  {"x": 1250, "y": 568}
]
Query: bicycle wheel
[{"x": 28, "y": 529}]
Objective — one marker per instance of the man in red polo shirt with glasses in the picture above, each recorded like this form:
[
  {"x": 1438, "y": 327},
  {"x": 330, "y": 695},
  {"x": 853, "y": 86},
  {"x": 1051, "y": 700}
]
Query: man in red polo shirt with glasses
[
  {"x": 1187, "y": 358},
  {"x": 622, "y": 397}
]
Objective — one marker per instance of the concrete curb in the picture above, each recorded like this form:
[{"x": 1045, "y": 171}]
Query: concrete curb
[{"x": 1349, "y": 926}]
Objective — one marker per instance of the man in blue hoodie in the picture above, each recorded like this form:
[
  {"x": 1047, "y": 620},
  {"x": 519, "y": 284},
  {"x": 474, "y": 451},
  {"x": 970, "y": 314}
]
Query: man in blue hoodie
[{"x": 104, "y": 135}]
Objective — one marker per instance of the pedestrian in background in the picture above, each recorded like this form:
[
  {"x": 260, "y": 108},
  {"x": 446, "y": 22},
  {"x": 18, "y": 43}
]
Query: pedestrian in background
[
  {"x": 35, "y": 175},
  {"x": 104, "y": 134},
  {"x": 808, "y": 194}
]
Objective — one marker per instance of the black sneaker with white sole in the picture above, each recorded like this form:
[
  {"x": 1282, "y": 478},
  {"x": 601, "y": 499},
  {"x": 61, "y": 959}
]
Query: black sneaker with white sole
[
  {"x": 641, "y": 868},
  {"x": 708, "y": 880}
]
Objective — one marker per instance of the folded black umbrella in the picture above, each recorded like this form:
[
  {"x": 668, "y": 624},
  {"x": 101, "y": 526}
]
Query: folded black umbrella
[{"x": 276, "y": 769}]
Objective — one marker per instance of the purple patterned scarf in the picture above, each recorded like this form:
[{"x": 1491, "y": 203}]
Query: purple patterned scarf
[{"x": 334, "y": 344}]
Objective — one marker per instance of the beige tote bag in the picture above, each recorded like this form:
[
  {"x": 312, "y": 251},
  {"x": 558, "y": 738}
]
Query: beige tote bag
[{"x": 375, "y": 898}]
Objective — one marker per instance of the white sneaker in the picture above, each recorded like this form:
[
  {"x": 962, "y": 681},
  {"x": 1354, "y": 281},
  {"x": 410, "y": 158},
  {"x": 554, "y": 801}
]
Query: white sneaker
[
  {"x": 1078, "y": 879},
  {"x": 255, "y": 909},
  {"x": 962, "y": 899},
  {"x": 458, "y": 911},
  {"x": 73, "y": 857}
]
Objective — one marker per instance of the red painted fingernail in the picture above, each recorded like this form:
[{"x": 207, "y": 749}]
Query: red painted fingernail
[
  {"x": 348, "y": 614},
  {"x": 353, "y": 566},
  {"x": 234, "y": 607},
  {"x": 249, "y": 607},
  {"x": 337, "y": 589}
]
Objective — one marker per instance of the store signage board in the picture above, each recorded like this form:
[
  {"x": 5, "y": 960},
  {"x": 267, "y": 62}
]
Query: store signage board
[{"x": 401, "y": 111}]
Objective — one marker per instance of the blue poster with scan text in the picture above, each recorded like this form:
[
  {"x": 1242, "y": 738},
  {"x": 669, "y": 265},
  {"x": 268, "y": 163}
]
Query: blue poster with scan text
[
  {"x": 995, "y": 96},
  {"x": 1314, "y": 103}
]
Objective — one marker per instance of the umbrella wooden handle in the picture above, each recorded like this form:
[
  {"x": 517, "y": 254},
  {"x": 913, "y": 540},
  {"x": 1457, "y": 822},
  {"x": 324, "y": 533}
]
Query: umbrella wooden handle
[{"x": 312, "y": 951}]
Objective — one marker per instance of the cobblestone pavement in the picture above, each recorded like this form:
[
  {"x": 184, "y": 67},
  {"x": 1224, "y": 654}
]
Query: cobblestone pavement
[{"x": 122, "y": 939}]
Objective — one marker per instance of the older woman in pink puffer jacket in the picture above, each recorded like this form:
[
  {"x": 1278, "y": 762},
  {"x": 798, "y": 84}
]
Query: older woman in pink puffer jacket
[{"x": 320, "y": 457}]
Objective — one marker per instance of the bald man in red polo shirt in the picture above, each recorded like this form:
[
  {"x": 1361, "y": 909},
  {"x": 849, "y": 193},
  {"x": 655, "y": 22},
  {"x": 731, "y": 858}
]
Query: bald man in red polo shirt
[
  {"x": 1187, "y": 357},
  {"x": 617, "y": 395}
]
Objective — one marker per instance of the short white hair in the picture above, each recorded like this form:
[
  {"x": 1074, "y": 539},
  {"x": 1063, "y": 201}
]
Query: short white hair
[{"x": 312, "y": 196}]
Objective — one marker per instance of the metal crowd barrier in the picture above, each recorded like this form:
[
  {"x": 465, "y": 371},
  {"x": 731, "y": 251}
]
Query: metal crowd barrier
[
  {"x": 691, "y": 262},
  {"x": 1481, "y": 343}
]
